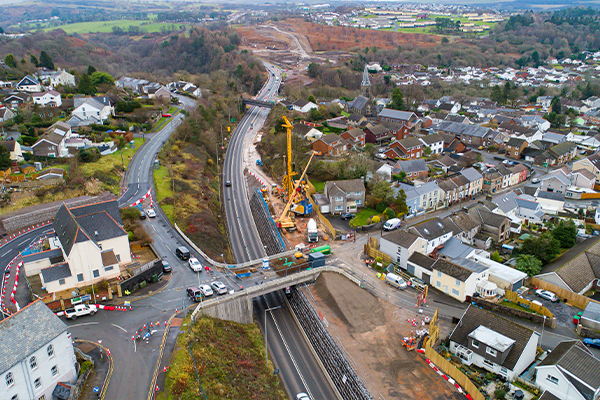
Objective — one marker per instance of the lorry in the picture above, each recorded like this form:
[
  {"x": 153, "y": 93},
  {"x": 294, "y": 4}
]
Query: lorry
[
  {"x": 395, "y": 280},
  {"x": 80, "y": 310},
  {"x": 392, "y": 224},
  {"x": 312, "y": 231}
]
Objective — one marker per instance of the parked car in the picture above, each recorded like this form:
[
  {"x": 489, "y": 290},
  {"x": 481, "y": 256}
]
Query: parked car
[
  {"x": 151, "y": 213},
  {"x": 195, "y": 264},
  {"x": 395, "y": 280},
  {"x": 182, "y": 253},
  {"x": 347, "y": 216},
  {"x": 535, "y": 180},
  {"x": 142, "y": 214},
  {"x": 219, "y": 287},
  {"x": 167, "y": 115},
  {"x": 417, "y": 283},
  {"x": 392, "y": 224},
  {"x": 546, "y": 295},
  {"x": 206, "y": 290},
  {"x": 302, "y": 396},
  {"x": 589, "y": 342},
  {"x": 166, "y": 267},
  {"x": 194, "y": 293}
]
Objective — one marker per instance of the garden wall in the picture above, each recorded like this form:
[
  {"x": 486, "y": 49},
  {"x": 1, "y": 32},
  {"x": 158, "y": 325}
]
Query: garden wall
[{"x": 535, "y": 318}]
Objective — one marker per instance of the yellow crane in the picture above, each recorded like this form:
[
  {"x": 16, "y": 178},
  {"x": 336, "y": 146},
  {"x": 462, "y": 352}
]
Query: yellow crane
[
  {"x": 284, "y": 220},
  {"x": 288, "y": 179}
]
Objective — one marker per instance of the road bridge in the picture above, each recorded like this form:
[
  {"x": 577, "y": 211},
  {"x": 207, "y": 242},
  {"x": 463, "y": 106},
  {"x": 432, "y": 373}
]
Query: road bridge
[{"x": 252, "y": 102}]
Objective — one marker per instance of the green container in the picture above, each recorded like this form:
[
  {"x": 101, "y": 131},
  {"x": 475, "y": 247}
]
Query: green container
[
  {"x": 322, "y": 249},
  {"x": 580, "y": 313}
]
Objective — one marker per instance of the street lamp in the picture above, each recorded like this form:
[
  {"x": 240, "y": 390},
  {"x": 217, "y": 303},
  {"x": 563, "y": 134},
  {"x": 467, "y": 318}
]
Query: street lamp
[
  {"x": 266, "y": 348},
  {"x": 542, "y": 336}
]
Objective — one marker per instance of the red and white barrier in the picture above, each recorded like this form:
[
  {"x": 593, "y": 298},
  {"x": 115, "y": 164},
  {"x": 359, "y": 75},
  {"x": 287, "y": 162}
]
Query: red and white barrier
[
  {"x": 138, "y": 202},
  {"x": 443, "y": 375}
]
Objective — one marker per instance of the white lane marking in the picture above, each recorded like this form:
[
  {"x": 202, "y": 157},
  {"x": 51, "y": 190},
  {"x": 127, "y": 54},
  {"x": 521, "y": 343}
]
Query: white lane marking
[
  {"x": 24, "y": 241},
  {"x": 6, "y": 253},
  {"x": 117, "y": 326},
  {"x": 168, "y": 248},
  {"x": 84, "y": 324}
]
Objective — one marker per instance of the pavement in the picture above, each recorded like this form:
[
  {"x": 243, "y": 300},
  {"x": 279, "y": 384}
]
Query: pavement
[
  {"x": 101, "y": 369},
  {"x": 570, "y": 254}
]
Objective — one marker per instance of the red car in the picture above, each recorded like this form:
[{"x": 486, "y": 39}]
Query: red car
[{"x": 167, "y": 115}]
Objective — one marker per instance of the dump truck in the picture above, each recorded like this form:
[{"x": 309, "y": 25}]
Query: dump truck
[{"x": 312, "y": 231}]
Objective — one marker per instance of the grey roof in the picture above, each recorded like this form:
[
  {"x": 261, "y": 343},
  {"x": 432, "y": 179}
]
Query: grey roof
[
  {"x": 330, "y": 138},
  {"x": 411, "y": 166},
  {"x": 548, "y": 396},
  {"x": 471, "y": 265},
  {"x": 55, "y": 256},
  {"x": 576, "y": 362},
  {"x": 431, "y": 139},
  {"x": 481, "y": 213},
  {"x": 471, "y": 174},
  {"x": 475, "y": 317},
  {"x": 452, "y": 269},
  {"x": 445, "y": 161},
  {"x": 432, "y": 229},
  {"x": 454, "y": 248},
  {"x": 355, "y": 132},
  {"x": 551, "y": 195},
  {"x": 401, "y": 115},
  {"x": 350, "y": 185},
  {"x": 359, "y": 102},
  {"x": 462, "y": 129},
  {"x": 421, "y": 260},
  {"x": 402, "y": 238},
  {"x": 88, "y": 101},
  {"x": 516, "y": 142},
  {"x": 530, "y": 190},
  {"x": 462, "y": 221},
  {"x": 56, "y": 272},
  {"x": 563, "y": 148},
  {"x": 26, "y": 332},
  {"x": 506, "y": 201},
  {"x": 410, "y": 142},
  {"x": 524, "y": 201}
]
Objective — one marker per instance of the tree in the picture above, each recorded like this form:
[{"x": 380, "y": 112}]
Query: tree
[
  {"x": 535, "y": 57},
  {"x": 99, "y": 78},
  {"x": 4, "y": 158},
  {"x": 11, "y": 61},
  {"x": 545, "y": 248},
  {"x": 566, "y": 233},
  {"x": 1, "y": 30},
  {"x": 389, "y": 213},
  {"x": 427, "y": 151},
  {"x": 312, "y": 99},
  {"x": 91, "y": 69},
  {"x": 497, "y": 95},
  {"x": 496, "y": 257},
  {"x": 556, "y": 108},
  {"x": 46, "y": 60},
  {"x": 383, "y": 190},
  {"x": 445, "y": 40},
  {"x": 397, "y": 102},
  {"x": 400, "y": 200},
  {"x": 529, "y": 264},
  {"x": 86, "y": 86},
  {"x": 34, "y": 60}
]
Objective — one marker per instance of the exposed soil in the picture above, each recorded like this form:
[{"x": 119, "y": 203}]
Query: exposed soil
[{"x": 370, "y": 330}]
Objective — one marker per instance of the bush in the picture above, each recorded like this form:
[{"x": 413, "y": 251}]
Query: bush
[
  {"x": 496, "y": 257},
  {"x": 84, "y": 367},
  {"x": 500, "y": 394},
  {"x": 381, "y": 206},
  {"x": 375, "y": 219},
  {"x": 389, "y": 213},
  {"x": 89, "y": 155}
]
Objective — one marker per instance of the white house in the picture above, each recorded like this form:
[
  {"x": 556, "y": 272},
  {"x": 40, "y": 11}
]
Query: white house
[
  {"x": 55, "y": 78},
  {"x": 304, "y": 106},
  {"x": 529, "y": 209},
  {"x": 90, "y": 245},
  {"x": 493, "y": 343},
  {"x": 535, "y": 121},
  {"x": 570, "y": 372},
  {"x": 90, "y": 111},
  {"x": 434, "y": 231},
  {"x": 434, "y": 142},
  {"x": 400, "y": 245},
  {"x": 49, "y": 98},
  {"x": 29, "y": 84},
  {"x": 506, "y": 204},
  {"x": 37, "y": 354}
]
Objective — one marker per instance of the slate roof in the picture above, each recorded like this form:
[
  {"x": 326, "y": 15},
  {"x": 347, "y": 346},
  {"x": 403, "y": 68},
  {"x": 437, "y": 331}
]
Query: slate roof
[
  {"x": 56, "y": 272},
  {"x": 587, "y": 174},
  {"x": 410, "y": 142},
  {"x": 431, "y": 139},
  {"x": 350, "y": 185},
  {"x": 421, "y": 260},
  {"x": 431, "y": 229},
  {"x": 88, "y": 101},
  {"x": 462, "y": 129},
  {"x": 551, "y": 195},
  {"x": 515, "y": 142},
  {"x": 401, "y": 115},
  {"x": 595, "y": 160},
  {"x": 27, "y": 331},
  {"x": 355, "y": 133},
  {"x": 471, "y": 174},
  {"x": 445, "y": 161},
  {"x": 475, "y": 317},
  {"x": 301, "y": 103},
  {"x": 355, "y": 118},
  {"x": 330, "y": 138},
  {"x": 454, "y": 248},
  {"x": 576, "y": 362},
  {"x": 506, "y": 201},
  {"x": 359, "y": 102},
  {"x": 486, "y": 217},
  {"x": 563, "y": 148},
  {"x": 411, "y": 166},
  {"x": 402, "y": 238},
  {"x": 454, "y": 270},
  {"x": 463, "y": 221},
  {"x": 109, "y": 258},
  {"x": 581, "y": 270},
  {"x": 379, "y": 130},
  {"x": 548, "y": 396},
  {"x": 524, "y": 201}
]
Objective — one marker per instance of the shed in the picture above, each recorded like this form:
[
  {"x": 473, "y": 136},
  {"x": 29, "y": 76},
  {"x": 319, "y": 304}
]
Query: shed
[
  {"x": 316, "y": 260},
  {"x": 591, "y": 316}
]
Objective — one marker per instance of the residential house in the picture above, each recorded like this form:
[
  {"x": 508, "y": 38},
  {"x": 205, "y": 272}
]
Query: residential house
[
  {"x": 6, "y": 114},
  {"x": 17, "y": 99},
  {"x": 397, "y": 131},
  {"x": 592, "y": 164},
  {"x": 90, "y": 111},
  {"x": 14, "y": 148},
  {"x": 49, "y": 98},
  {"x": 569, "y": 372},
  {"x": 493, "y": 225},
  {"x": 592, "y": 102},
  {"x": 355, "y": 137},
  {"x": 552, "y": 202},
  {"x": 345, "y": 196},
  {"x": 583, "y": 178},
  {"x": 492, "y": 181},
  {"x": 563, "y": 152},
  {"x": 554, "y": 138},
  {"x": 420, "y": 198},
  {"x": 187, "y": 87},
  {"x": 161, "y": 93},
  {"x": 91, "y": 244},
  {"x": 535, "y": 122},
  {"x": 132, "y": 84},
  {"x": 514, "y": 147},
  {"x": 555, "y": 181},
  {"x": 592, "y": 117},
  {"x": 37, "y": 353},
  {"x": 463, "y": 227},
  {"x": 506, "y": 174},
  {"x": 506, "y": 204},
  {"x": 472, "y": 135},
  {"x": 434, "y": 142},
  {"x": 520, "y": 172},
  {"x": 450, "y": 192},
  {"x": 450, "y": 108},
  {"x": 400, "y": 245},
  {"x": 356, "y": 119},
  {"x": 411, "y": 147},
  {"x": 52, "y": 142},
  {"x": 493, "y": 343},
  {"x": 304, "y": 106},
  {"x": 529, "y": 209},
  {"x": 29, "y": 84},
  {"x": 330, "y": 145},
  {"x": 444, "y": 162},
  {"x": 400, "y": 117},
  {"x": 434, "y": 231},
  {"x": 56, "y": 78},
  {"x": 307, "y": 132},
  {"x": 461, "y": 119},
  {"x": 414, "y": 169},
  {"x": 544, "y": 101},
  {"x": 475, "y": 181},
  {"x": 377, "y": 134}
]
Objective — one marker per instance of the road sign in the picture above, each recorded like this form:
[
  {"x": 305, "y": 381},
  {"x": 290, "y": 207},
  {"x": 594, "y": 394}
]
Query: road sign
[{"x": 232, "y": 119}]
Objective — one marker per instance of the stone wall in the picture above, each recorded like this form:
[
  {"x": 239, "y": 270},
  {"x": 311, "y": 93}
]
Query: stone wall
[
  {"x": 587, "y": 332},
  {"x": 535, "y": 318}
]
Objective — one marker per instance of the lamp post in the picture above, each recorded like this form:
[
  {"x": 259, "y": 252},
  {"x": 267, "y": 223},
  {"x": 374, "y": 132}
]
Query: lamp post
[
  {"x": 266, "y": 348},
  {"x": 542, "y": 336}
]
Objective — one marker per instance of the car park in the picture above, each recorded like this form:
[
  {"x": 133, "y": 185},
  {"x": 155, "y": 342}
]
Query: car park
[
  {"x": 219, "y": 287},
  {"x": 546, "y": 295},
  {"x": 195, "y": 264},
  {"x": 151, "y": 213},
  {"x": 347, "y": 216},
  {"x": 206, "y": 290},
  {"x": 589, "y": 342}
]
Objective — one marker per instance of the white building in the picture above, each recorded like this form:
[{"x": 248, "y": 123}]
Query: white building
[
  {"x": 49, "y": 98},
  {"x": 29, "y": 84},
  {"x": 493, "y": 343},
  {"x": 55, "y": 78},
  {"x": 434, "y": 142},
  {"x": 400, "y": 245},
  {"x": 90, "y": 111},
  {"x": 570, "y": 372},
  {"x": 37, "y": 354},
  {"x": 304, "y": 106}
]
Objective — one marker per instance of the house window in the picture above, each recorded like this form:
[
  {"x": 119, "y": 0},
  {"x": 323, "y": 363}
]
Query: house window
[
  {"x": 61, "y": 281},
  {"x": 439, "y": 274},
  {"x": 438, "y": 284},
  {"x": 339, "y": 208},
  {"x": 339, "y": 198},
  {"x": 42, "y": 397},
  {"x": 455, "y": 292},
  {"x": 10, "y": 380},
  {"x": 33, "y": 362},
  {"x": 503, "y": 371},
  {"x": 358, "y": 202},
  {"x": 50, "y": 350},
  {"x": 79, "y": 277},
  {"x": 358, "y": 193},
  {"x": 54, "y": 370},
  {"x": 37, "y": 383},
  {"x": 475, "y": 343},
  {"x": 118, "y": 257},
  {"x": 552, "y": 379},
  {"x": 457, "y": 282},
  {"x": 109, "y": 268},
  {"x": 488, "y": 363},
  {"x": 96, "y": 273},
  {"x": 491, "y": 352}
]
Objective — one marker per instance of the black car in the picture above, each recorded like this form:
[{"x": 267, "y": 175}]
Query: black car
[
  {"x": 166, "y": 267},
  {"x": 227, "y": 183},
  {"x": 347, "y": 216}
]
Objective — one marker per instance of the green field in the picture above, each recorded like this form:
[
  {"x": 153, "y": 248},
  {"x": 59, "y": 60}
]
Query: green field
[
  {"x": 430, "y": 30},
  {"x": 107, "y": 26}
]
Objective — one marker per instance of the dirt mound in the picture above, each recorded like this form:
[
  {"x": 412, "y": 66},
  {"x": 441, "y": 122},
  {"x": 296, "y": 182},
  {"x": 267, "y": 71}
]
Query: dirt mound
[{"x": 354, "y": 306}]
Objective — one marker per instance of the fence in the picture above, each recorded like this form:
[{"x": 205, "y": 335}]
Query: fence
[
  {"x": 575, "y": 299},
  {"x": 449, "y": 369},
  {"x": 372, "y": 250},
  {"x": 37, "y": 184},
  {"x": 514, "y": 298}
]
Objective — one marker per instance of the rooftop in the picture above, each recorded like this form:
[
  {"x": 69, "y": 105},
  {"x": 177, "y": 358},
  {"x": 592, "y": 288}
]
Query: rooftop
[{"x": 491, "y": 338}]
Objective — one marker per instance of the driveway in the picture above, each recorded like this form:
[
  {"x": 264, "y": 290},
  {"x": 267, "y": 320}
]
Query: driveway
[
  {"x": 339, "y": 224},
  {"x": 569, "y": 255}
]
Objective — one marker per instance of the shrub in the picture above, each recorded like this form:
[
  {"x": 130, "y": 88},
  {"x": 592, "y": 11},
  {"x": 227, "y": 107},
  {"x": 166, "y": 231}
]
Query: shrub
[
  {"x": 389, "y": 213},
  {"x": 84, "y": 367},
  {"x": 381, "y": 206},
  {"x": 500, "y": 394},
  {"x": 375, "y": 219}
]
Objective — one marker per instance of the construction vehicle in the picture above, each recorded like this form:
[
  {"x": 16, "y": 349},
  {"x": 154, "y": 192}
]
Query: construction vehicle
[
  {"x": 284, "y": 220},
  {"x": 312, "y": 231},
  {"x": 301, "y": 205}
]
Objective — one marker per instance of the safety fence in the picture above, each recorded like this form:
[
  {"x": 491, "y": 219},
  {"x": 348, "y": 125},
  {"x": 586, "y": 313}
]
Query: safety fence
[
  {"x": 514, "y": 298},
  {"x": 269, "y": 235}
]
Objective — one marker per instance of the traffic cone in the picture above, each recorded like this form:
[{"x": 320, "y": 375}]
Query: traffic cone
[
  {"x": 132, "y": 337},
  {"x": 144, "y": 326},
  {"x": 151, "y": 324},
  {"x": 175, "y": 310},
  {"x": 157, "y": 323},
  {"x": 165, "y": 324},
  {"x": 130, "y": 307}
]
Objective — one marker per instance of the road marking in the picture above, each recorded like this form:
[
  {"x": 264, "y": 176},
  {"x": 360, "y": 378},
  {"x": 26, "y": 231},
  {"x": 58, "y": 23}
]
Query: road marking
[
  {"x": 168, "y": 248},
  {"x": 6, "y": 253},
  {"x": 24, "y": 241},
  {"x": 84, "y": 324},
  {"x": 117, "y": 326}
]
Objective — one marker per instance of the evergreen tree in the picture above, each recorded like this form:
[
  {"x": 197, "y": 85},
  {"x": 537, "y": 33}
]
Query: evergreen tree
[
  {"x": 4, "y": 158},
  {"x": 46, "y": 60},
  {"x": 86, "y": 86},
  {"x": 91, "y": 69},
  {"x": 11, "y": 61},
  {"x": 34, "y": 60},
  {"x": 397, "y": 102}
]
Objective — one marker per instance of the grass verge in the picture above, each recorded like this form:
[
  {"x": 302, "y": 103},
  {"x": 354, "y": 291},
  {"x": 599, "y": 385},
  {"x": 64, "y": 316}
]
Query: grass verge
[
  {"x": 164, "y": 188},
  {"x": 363, "y": 216},
  {"x": 319, "y": 185},
  {"x": 165, "y": 120},
  {"x": 226, "y": 358}
]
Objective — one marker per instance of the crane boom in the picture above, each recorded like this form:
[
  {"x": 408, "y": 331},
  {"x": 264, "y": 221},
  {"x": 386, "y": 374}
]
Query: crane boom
[
  {"x": 295, "y": 191},
  {"x": 288, "y": 180}
]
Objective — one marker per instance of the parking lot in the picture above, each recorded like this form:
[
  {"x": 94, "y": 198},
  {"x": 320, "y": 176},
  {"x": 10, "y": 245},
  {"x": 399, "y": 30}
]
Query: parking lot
[{"x": 562, "y": 311}]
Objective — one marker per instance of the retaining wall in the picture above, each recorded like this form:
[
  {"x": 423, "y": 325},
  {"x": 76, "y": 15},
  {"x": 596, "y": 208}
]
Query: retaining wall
[{"x": 535, "y": 318}]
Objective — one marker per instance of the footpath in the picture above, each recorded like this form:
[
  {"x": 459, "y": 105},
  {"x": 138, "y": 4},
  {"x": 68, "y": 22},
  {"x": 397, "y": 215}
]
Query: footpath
[{"x": 102, "y": 370}]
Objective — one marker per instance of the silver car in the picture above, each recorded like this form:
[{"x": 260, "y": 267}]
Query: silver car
[
  {"x": 547, "y": 295},
  {"x": 218, "y": 287}
]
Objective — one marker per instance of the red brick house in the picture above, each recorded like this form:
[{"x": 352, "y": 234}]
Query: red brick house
[
  {"x": 411, "y": 146},
  {"x": 398, "y": 131},
  {"x": 330, "y": 145},
  {"x": 355, "y": 137},
  {"x": 377, "y": 134}
]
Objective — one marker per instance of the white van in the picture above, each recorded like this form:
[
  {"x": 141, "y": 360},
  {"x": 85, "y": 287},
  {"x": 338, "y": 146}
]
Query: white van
[
  {"x": 395, "y": 280},
  {"x": 392, "y": 224}
]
